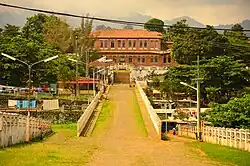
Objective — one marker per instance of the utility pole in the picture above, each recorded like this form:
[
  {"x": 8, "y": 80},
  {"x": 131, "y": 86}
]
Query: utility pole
[
  {"x": 77, "y": 83},
  {"x": 87, "y": 66},
  {"x": 198, "y": 99}
]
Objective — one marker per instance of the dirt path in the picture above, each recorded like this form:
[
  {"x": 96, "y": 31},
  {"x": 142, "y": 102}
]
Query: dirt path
[{"x": 123, "y": 142}]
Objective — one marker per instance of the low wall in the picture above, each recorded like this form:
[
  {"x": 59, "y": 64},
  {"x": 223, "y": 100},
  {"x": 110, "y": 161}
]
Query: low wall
[
  {"x": 236, "y": 138},
  {"x": 83, "y": 120},
  {"x": 57, "y": 116},
  {"x": 13, "y": 128},
  {"x": 153, "y": 115}
]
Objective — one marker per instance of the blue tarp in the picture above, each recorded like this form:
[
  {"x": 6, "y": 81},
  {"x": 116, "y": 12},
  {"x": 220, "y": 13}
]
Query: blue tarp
[{"x": 24, "y": 104}]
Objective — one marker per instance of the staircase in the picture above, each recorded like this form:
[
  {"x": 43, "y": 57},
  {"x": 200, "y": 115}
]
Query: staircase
[{"x": 122, "y": 77}]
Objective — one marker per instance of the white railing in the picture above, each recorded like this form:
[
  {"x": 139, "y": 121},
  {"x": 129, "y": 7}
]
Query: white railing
[
  {"x": 83, "y": 120},
  {"x": 13, "y": 128},
  {"x": 236, "y": 138},
  {"x": 153, "y": 115}
]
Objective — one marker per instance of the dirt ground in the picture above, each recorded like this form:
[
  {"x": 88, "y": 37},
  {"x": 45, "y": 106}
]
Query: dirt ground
[{"x": 123, "y": 143}]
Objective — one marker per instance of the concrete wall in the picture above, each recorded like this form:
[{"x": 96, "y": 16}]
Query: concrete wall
[
  {"x": 153, "y": 115},
  {"x": 83, "y": 120},
  {"x": 13, "y": 128}
]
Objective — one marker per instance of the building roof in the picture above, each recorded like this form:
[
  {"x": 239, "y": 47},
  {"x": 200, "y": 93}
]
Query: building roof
[
  {"x": 98, "y": 63},
  {"x": 82, "y": 80},
  {"x": 126, "y": 33}
]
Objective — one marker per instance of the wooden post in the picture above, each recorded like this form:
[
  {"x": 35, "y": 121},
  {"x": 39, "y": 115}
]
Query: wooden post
[
  {"x": 226, "y": 136},
  {"x": 240, "y": 141},
  {"x": 235, "y": 138}
]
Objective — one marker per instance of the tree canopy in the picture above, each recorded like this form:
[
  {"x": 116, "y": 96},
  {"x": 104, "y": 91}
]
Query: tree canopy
[
  {"x": 234, "y": 114},
  {"x": 41, "y": 37},
  {"x": 155, "y": 24}
]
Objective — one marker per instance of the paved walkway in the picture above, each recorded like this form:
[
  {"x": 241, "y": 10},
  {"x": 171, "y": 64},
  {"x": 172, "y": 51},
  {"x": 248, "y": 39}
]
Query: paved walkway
[{"x": 123, "y": 142}]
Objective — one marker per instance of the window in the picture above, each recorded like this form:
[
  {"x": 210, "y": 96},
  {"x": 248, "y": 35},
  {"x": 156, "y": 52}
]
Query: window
[
  {"x": 130, "y": 43},
  {"x": 141, "y": 44},
  {"x": 165, "y": 59},
  {"x": 156, "y": 59},
  {"x": 156, "y": 44},
  {"x": 123, "y": 43},
  {"x": 152, "y": 59},
  {"x": 134, "y": 44},
  {"x": 145, "y": 44},
  {"x": 114, "y": 59},
  {"x": 152, "y": 44},
  {"x": 138, "y": 59},
  {"x": 169, "y": 59},
  {"x": 130, "y": 60},
  {"x": 119, "y": 43},
  {"x": 101, "y": 44},
  {"x": 106, "y": 43},
  {"x": 143, "y": 59},
  {"x": 112, "y": 44}
]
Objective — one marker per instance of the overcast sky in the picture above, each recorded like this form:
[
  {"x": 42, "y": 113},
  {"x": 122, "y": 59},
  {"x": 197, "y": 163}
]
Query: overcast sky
[{"x": 212, "y": 12}]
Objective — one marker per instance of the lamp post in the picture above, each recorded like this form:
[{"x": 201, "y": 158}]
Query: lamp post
[
  {"x": 198, "y": 105},
  {"x": 105, "y": 61},
  {"x": 29, "y": 83}
]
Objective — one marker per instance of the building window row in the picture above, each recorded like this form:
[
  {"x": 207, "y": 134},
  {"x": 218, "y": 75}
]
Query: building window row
[
  {"x": 132, "y": 44},
  {"x": 140, "y": 59}
]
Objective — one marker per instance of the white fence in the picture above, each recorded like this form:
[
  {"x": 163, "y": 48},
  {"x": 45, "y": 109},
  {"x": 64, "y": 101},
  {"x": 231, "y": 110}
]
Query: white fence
[
  {"x": 83, "y": 120},
  {"x": 153, "y": 115},
  {"x": 236, "y": 138},
  {"x": 13, "y": 128}
]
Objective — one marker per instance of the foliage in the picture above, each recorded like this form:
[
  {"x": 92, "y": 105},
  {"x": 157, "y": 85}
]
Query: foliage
[
  {"x": 57, "y": 32},
  {"x": 188, "y": 43},
  {"x": 155, "y": 24},
  {"x": 164, "y": 137},
  {"x": 223, "y": 78},
  {"x": 41, "y": 37},
  {"x": 181, "y": 115},
  {"x": 234, "y": 114}
]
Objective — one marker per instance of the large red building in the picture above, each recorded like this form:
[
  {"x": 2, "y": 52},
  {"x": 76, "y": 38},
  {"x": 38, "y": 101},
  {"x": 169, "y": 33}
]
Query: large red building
[{"x": 134, "y": 47}]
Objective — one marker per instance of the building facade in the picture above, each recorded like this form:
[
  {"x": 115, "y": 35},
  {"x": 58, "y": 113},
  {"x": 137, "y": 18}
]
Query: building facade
[{"x": 133, "y": 47}]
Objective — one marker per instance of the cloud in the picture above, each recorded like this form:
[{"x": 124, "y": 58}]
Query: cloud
[{"x": 206, "y": 11}]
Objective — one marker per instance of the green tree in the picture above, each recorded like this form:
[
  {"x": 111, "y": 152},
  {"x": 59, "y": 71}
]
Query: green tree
[
  {"x": 188, "y": 43},
  {"x": 224, "y": 78},
  {"x": 238, "y": 46},
  {"x": 33, "y": 27},
  {"x": 234, "y": 114},
  {"x": 57, "y": 32},
  {"x": 155, "y": 24}
]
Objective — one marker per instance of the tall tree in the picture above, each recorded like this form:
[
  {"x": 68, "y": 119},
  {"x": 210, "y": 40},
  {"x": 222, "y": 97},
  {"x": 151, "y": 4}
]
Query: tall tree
[
  {"x": 234, "y": 114},
  {"x": 155, "y": 24},
  {"x": 57, "y": 32},
  {"x": 238, "y": 46},
  {"x": 33, "y": 27},
  {"x": 188, "y": 43}
]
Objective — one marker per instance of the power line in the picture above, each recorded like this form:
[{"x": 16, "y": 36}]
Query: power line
[{"x": 100, "y": 19}]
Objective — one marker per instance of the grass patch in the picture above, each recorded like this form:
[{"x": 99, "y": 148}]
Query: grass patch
[
  {"x": 105, "y": 114},
  {"x": 71, "y": 129},
  {"x": 223, "y": 153},
  {"x": 139, "y": 120},
  {"x": 61, "y": 149}
]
